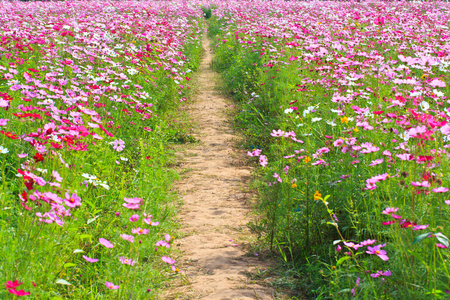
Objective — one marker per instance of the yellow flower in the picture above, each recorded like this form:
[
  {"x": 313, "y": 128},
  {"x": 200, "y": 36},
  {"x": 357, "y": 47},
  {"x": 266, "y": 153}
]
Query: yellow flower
[
  {"x": 344, "y": 120},
  {"x": 424, "y": 76},
  {"x": 294, "y": 185},
  {"x": 317, "y": 196},
  {"x": 320, "y": 23},
  {"x": 307, "y": 159},
  {"x": 355, "y": 129}
]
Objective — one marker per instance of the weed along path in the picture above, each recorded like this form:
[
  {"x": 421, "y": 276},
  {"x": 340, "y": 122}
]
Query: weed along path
[{"x": 214, "y": 214}]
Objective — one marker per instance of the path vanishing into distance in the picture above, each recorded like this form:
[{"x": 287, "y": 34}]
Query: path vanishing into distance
[{"x": 214, "y": 215}]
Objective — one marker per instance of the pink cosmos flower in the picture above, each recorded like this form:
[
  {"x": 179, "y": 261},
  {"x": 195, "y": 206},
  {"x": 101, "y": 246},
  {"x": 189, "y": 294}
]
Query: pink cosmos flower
[
  {"x": 105, "y": 243},
  {"x": 277, "y": 133},
  {"x": 149, "y": 221},
  {"x": 405, "y": 156},
  {"x": 3, "y": 122},
  {"x": 420, "y": 227},
  {"x": 445, "y": 129},
  {"x": 22, "y": 155},
  {"x": 447, "y": 202},
  {"x": 168, "y": 260},
  {"x": 134, "y": 218},
  {"x": 381, "y": 273},
  {"x": 111, "y": 285},
  {"x": 440, "y": 190},
  {"x": 127, "y": 261},
  {"x": 422, "y": 184},
  {"x": 263, "y": 160},
  {"x": 439, "y": 245},
  {"x": 367, "y": 242},
  {"x": 72, "y": 201},
  {"x": 352, "y": 245},
  {"x": 118, "y": 145},
  {"x": 163, "y": 243},
  {"x": 91, "y": 260},
  {"x": 389, "y": 210},
  {"x": 396, "y": 216},
  {"x": 56, "y": 175},
  {"x": 127, "y": 237},
  {"x": 377, "y": 250},
  {"x": 132, "y": 203},
  {"x": 139, "y": 231},
  {"x": 387, "y": 153},
  {"x": 376, "y": 162},
  {"x": 339, "y": 248}
]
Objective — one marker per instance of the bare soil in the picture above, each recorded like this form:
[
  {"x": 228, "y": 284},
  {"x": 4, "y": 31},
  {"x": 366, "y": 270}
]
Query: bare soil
[{"x": 216, "y": 256}]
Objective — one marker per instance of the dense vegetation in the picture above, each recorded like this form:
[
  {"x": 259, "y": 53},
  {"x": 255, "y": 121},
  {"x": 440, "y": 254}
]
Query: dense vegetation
[
  {"x": 345, "y": 107},
  {"x": 89, "y": 96}
]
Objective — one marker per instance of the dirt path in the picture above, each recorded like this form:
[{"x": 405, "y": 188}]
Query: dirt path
[{"x": 214, "y": 214}]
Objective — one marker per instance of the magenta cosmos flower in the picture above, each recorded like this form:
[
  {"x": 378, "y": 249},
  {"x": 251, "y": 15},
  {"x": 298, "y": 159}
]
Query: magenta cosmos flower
[
  {"x": 72, "y": 201},
  {"x": 381, "y": 273},
  {"x": 377, "y": 250},
  {"x": 134, "y": 218}
]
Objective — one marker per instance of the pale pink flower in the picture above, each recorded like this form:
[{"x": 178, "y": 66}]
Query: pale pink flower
[
  {"x": 139, "y": 230},
  {"x": 376, "y": 162},
  {"x": 111, "y": 285},
  {"x": 367, "y": 242},
  {"x": 56, "y": 175},
  {"x": 263, "y": 160},
  {"x": 420, "y": 227},
  {"x": 381, "y": 273},
  {"x": 127, "y": 261},
  {"x": 105, "y": 243},
  {"x": 389, "y": 210},
  {"x": 277, "y": 133},
  {"x": 149, "y": 221},
  {"x": 127, "y": 237},
  {"x": 440, "y": 190},
  {"x": 91, "y": 260},
  {"x": 168, "y": 260}
]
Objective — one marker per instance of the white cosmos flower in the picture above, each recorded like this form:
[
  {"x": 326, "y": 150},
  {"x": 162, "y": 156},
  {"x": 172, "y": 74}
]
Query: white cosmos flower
[
  {"x": 404, "y": 136},
  {"x": 315, "y": 120},
  {"x": 331, "y": 123},
  {"x": 424, "y": 105},
  {"x": 288, "y": 110},
  {"x": 3, "y": 150}
]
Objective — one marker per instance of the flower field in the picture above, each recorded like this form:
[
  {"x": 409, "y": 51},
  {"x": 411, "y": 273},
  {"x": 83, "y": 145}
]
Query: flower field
[
  {"x": 90, "y": 93},
  {"x": 345, "y": 107}
]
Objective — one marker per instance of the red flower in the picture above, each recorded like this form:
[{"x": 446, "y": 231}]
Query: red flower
[
  {"x": 56, "y": 145},
  {"x": 38, "y": 157},
  {"x": 28, "y": 181},
  {"x": 9, "y": 134},
  {"x": 407, "y": 224},
  {"x": 19, "y": 293},
  {"x": 12, "y": 285}
]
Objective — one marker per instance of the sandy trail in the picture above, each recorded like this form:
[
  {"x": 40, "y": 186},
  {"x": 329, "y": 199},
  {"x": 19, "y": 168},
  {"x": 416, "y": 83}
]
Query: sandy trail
[{"x": 214, "y": 205}]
